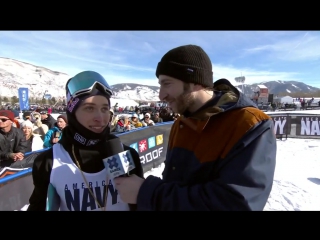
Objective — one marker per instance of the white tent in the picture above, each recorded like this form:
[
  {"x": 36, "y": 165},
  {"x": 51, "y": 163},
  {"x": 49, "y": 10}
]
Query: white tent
[
  {"x": 286, "y": 99},
  {"x": 122, "y": 102}
]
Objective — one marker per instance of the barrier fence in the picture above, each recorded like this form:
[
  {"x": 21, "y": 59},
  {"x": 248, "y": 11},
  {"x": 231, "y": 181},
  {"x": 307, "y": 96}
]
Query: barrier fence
[
  {"x": 151, "y": 144},
  {"x": 296, "y": 125}
]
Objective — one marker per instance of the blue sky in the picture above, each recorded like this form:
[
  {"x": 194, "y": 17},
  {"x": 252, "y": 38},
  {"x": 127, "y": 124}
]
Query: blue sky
[{"x": 132, "y": 56}]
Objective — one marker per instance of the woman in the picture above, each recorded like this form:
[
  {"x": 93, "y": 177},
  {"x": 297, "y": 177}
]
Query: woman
[
  {"x": 34, "y": 141},
  {"x": 114, "y": 120},
  {"x": 135, "y": 121},
  {"x": 72, "y": 171},
  {"x": 123, "y": 124},
  {"x": 54, "y": 134}
]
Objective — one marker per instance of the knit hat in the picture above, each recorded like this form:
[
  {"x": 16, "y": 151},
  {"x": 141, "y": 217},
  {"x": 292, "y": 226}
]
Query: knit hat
[
  {"x": 7, "y": 113},
  {"x": 26, "y": 123},
  {"x": 188, "y": 63},
  {"x": 64, "y": 117}
]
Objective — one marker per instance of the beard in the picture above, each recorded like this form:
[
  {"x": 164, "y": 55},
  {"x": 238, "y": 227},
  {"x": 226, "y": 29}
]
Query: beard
[{"x": 184, "y": 101}]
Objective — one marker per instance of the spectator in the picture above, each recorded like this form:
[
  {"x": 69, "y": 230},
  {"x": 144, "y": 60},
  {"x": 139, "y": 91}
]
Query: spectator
[
  {"x": 113, "y": 120},
  {"x": 54, "y": 134},
  {"x": 147, "y": 121},
  {"x": 135, "y": 121},
  {"x": 124, "y": 124},
  {"x": 13, "y": 143},
  {"x": 156, "y": 118},
  {"x": 47, "y": 119},
  {"x": 34, "y": 141}
]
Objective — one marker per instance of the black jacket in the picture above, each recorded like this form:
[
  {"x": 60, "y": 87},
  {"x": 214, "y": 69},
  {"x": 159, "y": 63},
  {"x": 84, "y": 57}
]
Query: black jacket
[
  {"x": 42, "y": 169},
  {"x": 49, "y": 121},
  {"x": 13, "y": 141}
]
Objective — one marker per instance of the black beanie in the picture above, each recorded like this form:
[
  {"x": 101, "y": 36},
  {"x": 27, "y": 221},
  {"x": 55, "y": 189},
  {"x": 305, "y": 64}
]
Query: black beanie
[{"x": 188, "y": 63}]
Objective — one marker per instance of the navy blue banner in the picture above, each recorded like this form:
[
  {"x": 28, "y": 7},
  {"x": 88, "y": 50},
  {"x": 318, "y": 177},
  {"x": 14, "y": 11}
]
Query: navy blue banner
[{"x": 23, "y": 98}]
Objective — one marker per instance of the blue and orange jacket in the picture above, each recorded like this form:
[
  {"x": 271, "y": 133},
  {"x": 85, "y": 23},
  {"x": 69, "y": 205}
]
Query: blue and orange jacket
[{"x": 220, "y": 158}]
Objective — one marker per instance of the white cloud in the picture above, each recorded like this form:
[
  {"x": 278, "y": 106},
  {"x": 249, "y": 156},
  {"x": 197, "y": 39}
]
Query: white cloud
[
  {"x": 305, "y": 47},
  {"x": 251, "y": 75}
]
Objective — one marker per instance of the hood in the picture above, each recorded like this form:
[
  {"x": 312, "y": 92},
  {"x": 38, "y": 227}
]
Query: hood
[{"x": 222, "y": 101}]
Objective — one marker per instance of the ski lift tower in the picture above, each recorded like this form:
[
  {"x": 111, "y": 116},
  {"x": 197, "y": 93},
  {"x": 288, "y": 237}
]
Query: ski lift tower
[{"x": 241, "y": 80}]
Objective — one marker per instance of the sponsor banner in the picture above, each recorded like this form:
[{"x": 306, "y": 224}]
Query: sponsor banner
[
  {"x": 281, "y": 124},
  {"x": 308, "y": 126},
  {"x": 151, "y": 144},
  {"x": 296, "y": 125}
]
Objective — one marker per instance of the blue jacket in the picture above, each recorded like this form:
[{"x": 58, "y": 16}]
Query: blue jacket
[
  {"x": 49, "y": 135},
  {"x": 222, "y": 157}
]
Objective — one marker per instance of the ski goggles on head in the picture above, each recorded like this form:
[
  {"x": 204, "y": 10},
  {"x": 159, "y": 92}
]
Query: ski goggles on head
[{"x": 85, "y": 82}]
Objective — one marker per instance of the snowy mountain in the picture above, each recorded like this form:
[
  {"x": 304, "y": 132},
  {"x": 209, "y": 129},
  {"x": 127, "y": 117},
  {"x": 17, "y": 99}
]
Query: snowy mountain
[
  {"x": 136, "y": 91},
  {"x": 15, "y": 74},
  {"x": 277, "y": 87}
]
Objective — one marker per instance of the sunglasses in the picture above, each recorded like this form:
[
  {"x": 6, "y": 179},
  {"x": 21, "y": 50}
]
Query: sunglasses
[{"x": 4, "y": 119}]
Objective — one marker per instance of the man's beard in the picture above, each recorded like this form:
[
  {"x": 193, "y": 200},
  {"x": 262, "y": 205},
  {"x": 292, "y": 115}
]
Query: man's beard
[{"x": 184, "y": 101}]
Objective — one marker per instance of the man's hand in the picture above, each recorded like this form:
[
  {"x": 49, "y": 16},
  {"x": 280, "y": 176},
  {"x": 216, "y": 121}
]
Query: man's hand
[
  {"x": 19, "y": 156},
  {"x": 16, "y": 156},
  {"x": 128, "y": 188}
]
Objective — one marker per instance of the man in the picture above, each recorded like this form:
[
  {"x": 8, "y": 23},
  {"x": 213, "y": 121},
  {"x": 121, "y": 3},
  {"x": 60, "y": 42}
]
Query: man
[
  {"x": 156, "y": 118},
  {"x": 147, "y": 120},
  {"x": 222, "y": 150},
  {"x": 47, "y": 119},
  {"x": 13, "y": 143},
  {"x": 71, "y": 175}
]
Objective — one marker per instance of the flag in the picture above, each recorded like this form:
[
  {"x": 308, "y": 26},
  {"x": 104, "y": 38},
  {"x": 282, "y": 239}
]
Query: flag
[{"x": 23, "y": 98}]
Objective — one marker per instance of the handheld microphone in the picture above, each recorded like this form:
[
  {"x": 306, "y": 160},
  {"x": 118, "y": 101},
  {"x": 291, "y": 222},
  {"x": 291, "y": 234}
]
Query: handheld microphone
[{"x": 119, "y": 163}]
